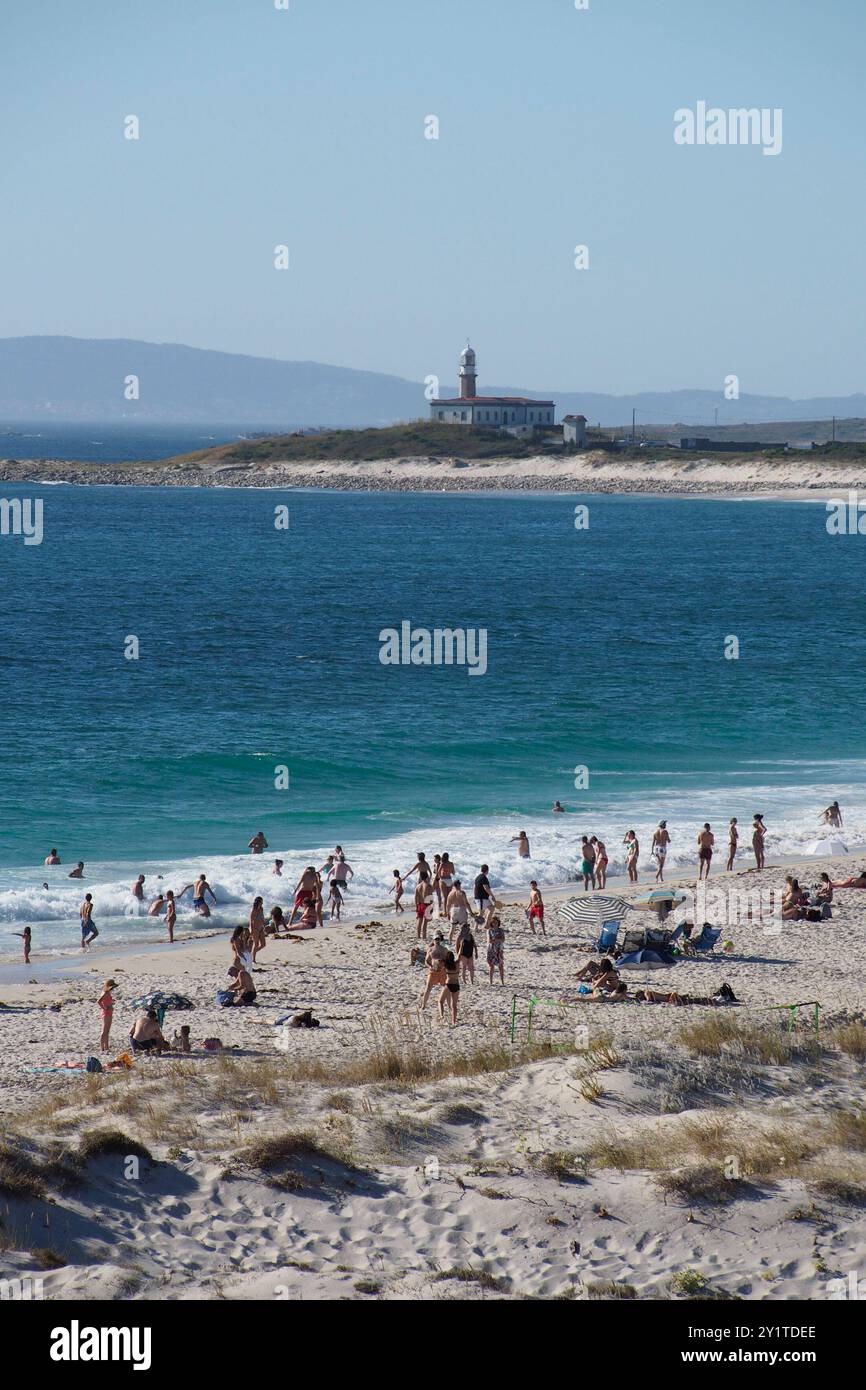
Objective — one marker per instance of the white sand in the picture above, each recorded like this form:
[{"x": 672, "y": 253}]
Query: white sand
[{"x": 183, "y": 1229}]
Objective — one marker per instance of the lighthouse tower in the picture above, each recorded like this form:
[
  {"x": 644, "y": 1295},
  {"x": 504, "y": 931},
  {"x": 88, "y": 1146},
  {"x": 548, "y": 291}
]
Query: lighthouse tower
[{"x": 467, "y": 373}]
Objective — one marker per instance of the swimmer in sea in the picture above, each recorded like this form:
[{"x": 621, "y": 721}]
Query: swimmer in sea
[{"x": 200, "y": 888}]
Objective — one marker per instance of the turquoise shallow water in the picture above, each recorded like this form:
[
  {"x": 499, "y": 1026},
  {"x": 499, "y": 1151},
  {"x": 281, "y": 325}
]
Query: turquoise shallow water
[{"x": 259, "y": 648}]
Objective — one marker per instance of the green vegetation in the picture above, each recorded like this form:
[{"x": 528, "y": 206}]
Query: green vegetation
[{"x": 414, "y": 439}]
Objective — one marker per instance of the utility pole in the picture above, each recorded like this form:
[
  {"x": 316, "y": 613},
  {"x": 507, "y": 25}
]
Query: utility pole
[
  {"x": 632, "y": 425},
  {"x": 834, "y": 429}
]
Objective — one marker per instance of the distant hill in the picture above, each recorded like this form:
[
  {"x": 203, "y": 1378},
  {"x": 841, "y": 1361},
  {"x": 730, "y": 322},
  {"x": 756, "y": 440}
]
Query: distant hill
[{"x": 83, "y": 379}]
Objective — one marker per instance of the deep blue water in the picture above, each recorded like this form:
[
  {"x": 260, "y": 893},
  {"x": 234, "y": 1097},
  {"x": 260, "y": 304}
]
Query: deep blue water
[
  {"x": 94, "y": 442},
  {"x": 259, "y": 647}
]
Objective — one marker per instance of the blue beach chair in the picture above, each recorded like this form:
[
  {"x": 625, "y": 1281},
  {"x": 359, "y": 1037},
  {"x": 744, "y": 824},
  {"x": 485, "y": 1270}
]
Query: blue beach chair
[{"x": 607, "y": 937}]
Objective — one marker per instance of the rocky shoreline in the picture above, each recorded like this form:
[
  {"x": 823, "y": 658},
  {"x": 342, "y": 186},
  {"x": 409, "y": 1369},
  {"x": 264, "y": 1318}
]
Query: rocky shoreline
[{"x": 587, "y": 473}]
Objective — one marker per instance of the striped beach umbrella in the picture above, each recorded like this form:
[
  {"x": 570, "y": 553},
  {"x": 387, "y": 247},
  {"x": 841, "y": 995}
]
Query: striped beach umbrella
[{"x": 592, "y": 911}]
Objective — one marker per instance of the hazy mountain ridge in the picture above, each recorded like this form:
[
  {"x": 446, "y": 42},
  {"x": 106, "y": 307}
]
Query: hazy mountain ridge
[{"x": 65, "y": 378}]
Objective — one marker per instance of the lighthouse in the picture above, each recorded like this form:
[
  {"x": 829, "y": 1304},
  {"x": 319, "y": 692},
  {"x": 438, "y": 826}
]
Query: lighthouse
[
  {"x": 467, "y": 373},
  {"x": 517, "y": 414}
]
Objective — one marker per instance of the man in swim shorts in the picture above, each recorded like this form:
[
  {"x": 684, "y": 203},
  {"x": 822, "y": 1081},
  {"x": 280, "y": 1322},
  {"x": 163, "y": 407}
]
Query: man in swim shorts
[
  {"x": 536, "y": 908},
  {"x": 706, "y": 840}
]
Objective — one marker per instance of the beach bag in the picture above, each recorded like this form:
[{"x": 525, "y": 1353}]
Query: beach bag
[
  {"x": 93, "y": 1064},
  {"x": 212, "y": 1045},
  {"x": 225, "y": 998},
  {"x": 814, "y": 914}
]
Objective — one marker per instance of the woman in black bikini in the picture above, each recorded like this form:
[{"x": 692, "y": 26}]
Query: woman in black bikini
[{"x": 452, "y": 987}]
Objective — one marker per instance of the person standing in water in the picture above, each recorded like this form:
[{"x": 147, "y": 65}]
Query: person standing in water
[
  {"x": 52, "y": 858},
  {"x": 138, "y": 888},
  {"x": 26, "y": 936},
  {"x": 88, "y": 930},
  {"x": 157, "y": 905},
  {"x": 706, "y": 840},
  {"x": 397, "y": 890},
  {"x": 759, "y": 831},
  {"x": 661, "y": 840},
  {"x": 522, "y": 843},
  {"x": 78, "y": 871},
  {"x": 733, "y": 836},
  {"x": 258, "y": 844},
  {"x": 170, "y": 915},
  {"x": 558, "y": 808},
  {"x": 200, "y": 888},
  {"x": 832, "y": 815}
]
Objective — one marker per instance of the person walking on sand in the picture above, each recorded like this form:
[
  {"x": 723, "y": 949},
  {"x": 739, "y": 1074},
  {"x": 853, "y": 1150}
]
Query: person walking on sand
[
  {"x": 733, "y": 836},
  {"x": 78, "y": 871},
  {"x": 445, "y": 880},
  {"x": 587, "y": 863},
  {"x": 456, "y": 907},
  {"x": 632, "y": 850},
  {"x": 200, "y": 888},
  {"x": 661, "y": 840},
  {"x": 466, "y": 950},
  {"x": 522, "y": 843},
  {"x": 423, "y": 904},
  {"x": 397, "y": 890},
  {"x": 495, "y": 948},
  {"x": 258, "y": 844},
  {"x": 483, "y": 893},
  {"x": 52, "y": 858},
  {"x": 257, "y": 926},
  {"x": 106, "y": 1005},
  {"x": 26, "y": 936},
  {"x": 601, "y": 862},
  {"x": 435, "y": 962},
  {"x": 706, "y": 840},
  {"x": 535, "y": 910},
  {"x": 832, "y": 815},
  {"x": 88, "y": 930},
  {"x": 170, "y": 915},
  {"x": 451, "y": 991},
  {"x": 759, "y": 830}
]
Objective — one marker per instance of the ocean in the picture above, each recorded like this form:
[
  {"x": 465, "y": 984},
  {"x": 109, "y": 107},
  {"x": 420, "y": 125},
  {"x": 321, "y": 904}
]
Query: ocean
[{"x": 258, "y": 662}]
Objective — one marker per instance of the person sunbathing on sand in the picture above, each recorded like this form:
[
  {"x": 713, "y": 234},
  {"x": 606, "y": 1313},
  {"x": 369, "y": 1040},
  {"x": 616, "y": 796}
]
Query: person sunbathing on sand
[
  {"x": 593, "y": 969},
  {"x": 610, "y": 996},
  {"x": 858, "y": 882}
]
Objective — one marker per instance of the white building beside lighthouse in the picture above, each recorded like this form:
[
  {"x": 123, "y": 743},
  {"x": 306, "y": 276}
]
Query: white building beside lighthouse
[{"x": 517, "y": 414}]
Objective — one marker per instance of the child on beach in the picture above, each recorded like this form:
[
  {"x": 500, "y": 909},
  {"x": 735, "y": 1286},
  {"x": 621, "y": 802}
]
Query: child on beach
[
  {"x": 423, "y": 904},
  {"x": 335, "y": 901},
  {"x": 397, "y": 890},
  {"x": 170, "y": 914},
  {"x": 181, "y": 1039},
  {"x": 106, "y": 1004},
  {"x": 25, "y": 936},
  {"x": 535, "y": 911}
]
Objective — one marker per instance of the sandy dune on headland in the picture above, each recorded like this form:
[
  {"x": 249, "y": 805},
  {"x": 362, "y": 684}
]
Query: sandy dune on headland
[{"x": 660, "y": 1147}]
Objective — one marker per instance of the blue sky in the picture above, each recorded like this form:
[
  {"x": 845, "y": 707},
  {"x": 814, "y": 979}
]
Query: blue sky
[{"x": 306, "y": 127}]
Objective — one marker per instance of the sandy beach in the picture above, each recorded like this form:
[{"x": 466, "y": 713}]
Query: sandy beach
[
  {"x": 621, "y": 1150},
  {"x": 788, "y": 479}
]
